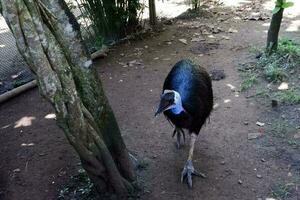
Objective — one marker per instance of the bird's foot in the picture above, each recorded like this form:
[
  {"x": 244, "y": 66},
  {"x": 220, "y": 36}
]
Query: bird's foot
[
  {"x": 188, "y": 171},
  {"x": 179, "y": 142}
]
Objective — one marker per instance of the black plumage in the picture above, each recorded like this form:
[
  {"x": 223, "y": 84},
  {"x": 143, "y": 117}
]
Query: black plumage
[
  {"x": 187, "y": 101},
  {"x": 193, "y": 84}
]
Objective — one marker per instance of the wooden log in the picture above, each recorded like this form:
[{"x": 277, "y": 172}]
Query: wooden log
[{"x": 16, "y": 91}]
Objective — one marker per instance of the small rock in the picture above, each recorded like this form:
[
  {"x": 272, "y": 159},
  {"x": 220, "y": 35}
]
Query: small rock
[
  {"x": 231, "y": 30},
  {"x": 184, "y": 41},
  {"x": 240, "y": 182},
  {"x": 246, "y": 123},
  {"x": 258, "y": 176},
  {"x": 156, "y": 58},
  {"x": 263, "y": 160},
  {"x": 283, "y": 86},
  {"x": 223, "y": 162},
  {"x": 252, "y": 136},
  {"x": 274, "y": 103},
  {"x": 260, "y": 123}
]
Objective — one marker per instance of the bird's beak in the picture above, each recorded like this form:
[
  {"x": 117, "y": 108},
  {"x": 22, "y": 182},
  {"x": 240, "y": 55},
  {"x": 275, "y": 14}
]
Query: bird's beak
[{"x": 163, "y": 105}]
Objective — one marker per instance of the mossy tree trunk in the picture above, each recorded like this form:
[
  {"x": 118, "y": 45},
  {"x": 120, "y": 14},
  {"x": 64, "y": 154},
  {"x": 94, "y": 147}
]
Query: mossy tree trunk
[
  {"x": 273, "y": 32},
  {"x": 48, "y": 37}
]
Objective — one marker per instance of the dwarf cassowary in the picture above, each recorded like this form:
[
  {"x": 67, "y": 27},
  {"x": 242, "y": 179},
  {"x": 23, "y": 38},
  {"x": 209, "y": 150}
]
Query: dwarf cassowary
[{"x": 186, "y": 101}]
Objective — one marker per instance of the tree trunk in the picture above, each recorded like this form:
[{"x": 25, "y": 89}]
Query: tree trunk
[
  {"x": 196, "y": 4},
  {"x": 152, "y": 12},
  {"x": 48, "y": 37},
  {"x": 272, "y": 40}
]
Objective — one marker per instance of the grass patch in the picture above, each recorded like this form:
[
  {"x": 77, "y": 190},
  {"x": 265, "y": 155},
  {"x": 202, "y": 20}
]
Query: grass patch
[
  {"x": 274, "y": 73},
  {"x": 276, "y": 66},
  {"x": 270, "y": 70},
  {"x": 282, "y": 191},
  {"x": 284, "y": 131},
  {"x": 279, "y": 129},
  {"x": 249, "y": 81},
  {"x": 288, "y": 96}
]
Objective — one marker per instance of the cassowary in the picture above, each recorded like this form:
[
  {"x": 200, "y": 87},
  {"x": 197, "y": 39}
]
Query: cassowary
[{"x": 186, "y": 101}]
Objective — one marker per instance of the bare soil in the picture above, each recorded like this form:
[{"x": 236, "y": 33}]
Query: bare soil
[{"x": 37, "y": 160}]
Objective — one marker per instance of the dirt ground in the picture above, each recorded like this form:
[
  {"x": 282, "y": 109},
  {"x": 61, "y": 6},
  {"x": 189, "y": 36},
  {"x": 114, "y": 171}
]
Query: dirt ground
[{"x": 37, "y": 160}]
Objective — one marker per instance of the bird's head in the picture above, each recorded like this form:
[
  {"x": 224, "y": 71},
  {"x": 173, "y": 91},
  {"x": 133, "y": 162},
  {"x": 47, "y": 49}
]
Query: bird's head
[{"x": 169, "y": 99}]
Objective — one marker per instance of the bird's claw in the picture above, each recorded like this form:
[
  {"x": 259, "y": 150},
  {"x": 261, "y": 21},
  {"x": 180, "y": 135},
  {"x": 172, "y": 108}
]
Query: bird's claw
[
  {"x": 178, "y": 132},
  {"x": 188, "y": 171}
]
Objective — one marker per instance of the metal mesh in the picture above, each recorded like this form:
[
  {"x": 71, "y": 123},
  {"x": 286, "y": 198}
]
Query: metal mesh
[{"x": 13, "y": 69}]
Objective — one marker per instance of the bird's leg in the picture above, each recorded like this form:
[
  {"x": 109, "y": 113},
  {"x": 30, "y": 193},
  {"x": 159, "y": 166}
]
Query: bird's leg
[
  {"x": 188, "y": 169},
  {"x": 178, "y": 132}
]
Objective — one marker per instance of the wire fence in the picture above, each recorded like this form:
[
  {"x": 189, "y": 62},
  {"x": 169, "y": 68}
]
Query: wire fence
[{"x": 13, "y": 69}]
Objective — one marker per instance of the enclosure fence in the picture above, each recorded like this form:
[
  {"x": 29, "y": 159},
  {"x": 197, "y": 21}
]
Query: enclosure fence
[{"x": 13, "y": 69}]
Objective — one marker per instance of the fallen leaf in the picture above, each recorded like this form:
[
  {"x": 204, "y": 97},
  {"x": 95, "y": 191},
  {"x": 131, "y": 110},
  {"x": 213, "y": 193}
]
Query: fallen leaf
[
  {"x": 260, "y": 123},
  {"x": 184, "y": 41}
]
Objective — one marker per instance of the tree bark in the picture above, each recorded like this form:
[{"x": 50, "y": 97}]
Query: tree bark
[
  {"x": 48, "y": 37},
  {"x": 152, "y": 12},
  {"x": 273, "y": 32}
]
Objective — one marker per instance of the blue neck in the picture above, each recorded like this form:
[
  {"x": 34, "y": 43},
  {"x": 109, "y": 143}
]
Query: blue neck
[{"x": 177, "y": 109}]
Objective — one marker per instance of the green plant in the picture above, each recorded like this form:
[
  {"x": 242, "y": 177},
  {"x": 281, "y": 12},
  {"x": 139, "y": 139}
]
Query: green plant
[
  {"x": 109, "y": 20},
  {"x": 276, "y": 65},
  {"x": 248, "y": 82},
  {"x": 288, "y": 96},
  {"x": 274, "y": 73},
  {"x": 289, "y": 47},
  {"x": 281, "y": 4},
  {"x": 281, "y": 190}
]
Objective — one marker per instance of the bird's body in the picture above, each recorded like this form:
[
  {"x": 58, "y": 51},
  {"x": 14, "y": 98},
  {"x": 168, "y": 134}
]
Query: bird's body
[
  {"x": 187, "y": 101},
  {"x": 194, "y": 86}
]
